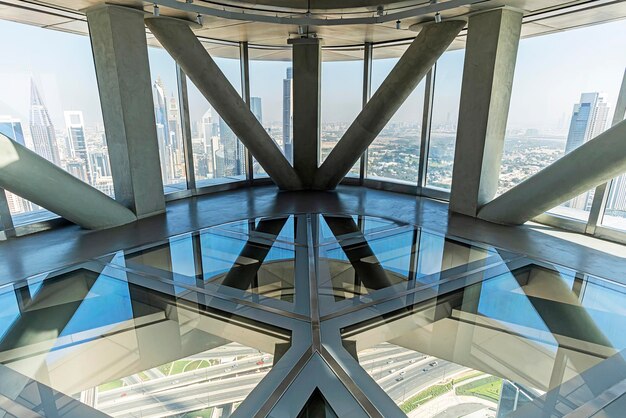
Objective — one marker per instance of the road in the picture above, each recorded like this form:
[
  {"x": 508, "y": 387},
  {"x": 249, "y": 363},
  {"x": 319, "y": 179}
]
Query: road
[{"x": 400, "y": 372}]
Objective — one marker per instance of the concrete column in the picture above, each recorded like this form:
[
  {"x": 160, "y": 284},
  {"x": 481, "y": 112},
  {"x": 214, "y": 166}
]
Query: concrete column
[
  {"x": 178, "y": 39},
  {"x": 490, "y": 56},
  {"x": 32, "y": 177},
  {"x": 418, "y": 59},
  {"x": 593, "y": 163},
  {"x": 118, "y": 40},
  {"x": 307, "y": 53}
]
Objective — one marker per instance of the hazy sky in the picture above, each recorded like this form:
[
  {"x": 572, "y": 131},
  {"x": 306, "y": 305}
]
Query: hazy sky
[{"x": 552, "y": 71}]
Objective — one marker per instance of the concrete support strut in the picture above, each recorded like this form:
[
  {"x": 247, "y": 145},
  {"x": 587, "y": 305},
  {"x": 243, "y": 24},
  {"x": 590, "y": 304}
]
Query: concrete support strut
[
  {"x": 120, "y": 51},
  {"x": 307, "y": 65},
  {"x": 490, "y": 55},
  {"x": 32, "y": 177},
  {"x": 178, "y": 39},
  {"x": 591, "y": 164},
  {"x": 418, "y": 59}
]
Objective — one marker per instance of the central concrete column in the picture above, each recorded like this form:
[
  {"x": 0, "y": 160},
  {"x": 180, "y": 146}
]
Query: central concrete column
[
  {"x": 118, "y": 40},
  {"x": 490, "y": 56},
  {"x": 307, "y": 68}
]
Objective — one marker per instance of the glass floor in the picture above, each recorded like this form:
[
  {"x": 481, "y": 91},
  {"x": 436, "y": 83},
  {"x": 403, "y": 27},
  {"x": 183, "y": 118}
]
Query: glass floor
[{"x": 313, "y": 315}]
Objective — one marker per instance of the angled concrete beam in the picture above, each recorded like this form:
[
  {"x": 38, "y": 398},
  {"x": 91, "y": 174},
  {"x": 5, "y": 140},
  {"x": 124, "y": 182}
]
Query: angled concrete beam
[
  {"x": 32, "y": 177},
  {"x": 178, "y": 39},
  {"x": 418, "y": 59},
  {"x": 589, "y": 165},
  {"x": 490, "y": 54},
  {"x": 120, "y": 52}
]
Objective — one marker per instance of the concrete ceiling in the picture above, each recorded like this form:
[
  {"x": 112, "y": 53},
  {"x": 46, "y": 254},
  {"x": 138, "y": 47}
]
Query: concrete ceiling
[{"x": 266, "y": 24}]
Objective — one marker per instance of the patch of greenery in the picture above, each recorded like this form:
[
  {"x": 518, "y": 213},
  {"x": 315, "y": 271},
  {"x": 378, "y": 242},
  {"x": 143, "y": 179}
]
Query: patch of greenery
[
  {"x": 487, "y": 388},
  {"x": 425, "y": 396},
  {"x": 110, "y": 385},
  {"x": 203, "y": 413}
]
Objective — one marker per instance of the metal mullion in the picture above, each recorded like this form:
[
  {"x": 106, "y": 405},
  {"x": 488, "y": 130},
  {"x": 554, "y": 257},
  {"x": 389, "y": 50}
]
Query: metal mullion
[
  {"x": 367, "y": 90},
  {"x": 427, "y": 116},
  {"x": 244, "y": 62},
  {"x": 6, "y": 220},
  {"x": 183, "y": 100}
]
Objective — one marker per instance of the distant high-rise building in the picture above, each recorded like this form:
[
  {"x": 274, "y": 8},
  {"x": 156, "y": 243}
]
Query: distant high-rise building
[
  {"x": 589, "y": 119},
  {"x": 287, "y": 104},
  {"x": 12, "y": 128},
  {"x": 41, "y": 128},
  {"x": 163, "y": 132},
  {"x": 76, "y": 134},
  {"x": 257, "y": 108},
  {"x": 231, "y": 151}
]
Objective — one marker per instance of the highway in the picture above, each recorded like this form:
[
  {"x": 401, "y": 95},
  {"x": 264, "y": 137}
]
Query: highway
[{"x": 400, "y": 372}]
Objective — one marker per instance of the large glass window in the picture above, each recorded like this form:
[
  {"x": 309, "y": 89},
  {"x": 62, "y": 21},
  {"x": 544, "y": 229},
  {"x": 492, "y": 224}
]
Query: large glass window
[
  {"x": 167, "y": 117},
  {"x": 342, "y": 100},
  {"x": 271, "y": 85},
  {"x": 394, "y": 154},
  {"x": 217, "y": 153},
  {"x": 445, "y": 114},
  {"x": 49, "y": 102},
  {"x": 562, "y": 97}
]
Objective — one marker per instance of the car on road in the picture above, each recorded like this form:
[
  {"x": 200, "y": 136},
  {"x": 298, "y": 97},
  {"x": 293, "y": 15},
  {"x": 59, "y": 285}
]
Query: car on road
[
  {"x": 402, "y": 373},
  {"x": 425, "y": 369},
  {"x": 433, "y": 364},
  {"x": 412, "y": 361},
  {"x": 399, "y": 379},
  {"x": 392, "y": 370},
  {"x": 390, "y": 361}
]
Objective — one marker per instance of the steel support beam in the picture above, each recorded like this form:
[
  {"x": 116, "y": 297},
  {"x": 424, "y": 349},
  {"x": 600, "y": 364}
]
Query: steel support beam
[
  {"x": 307, "y": 70},
  {"x": 120, "y": 51},
  {"x": 178, "y": 39},
  {"x": 588, "y": 166},
  {"x": 490, "y": 55},
  {"x": 418, "y": 59},
  {"x": 32, "y": 177}
]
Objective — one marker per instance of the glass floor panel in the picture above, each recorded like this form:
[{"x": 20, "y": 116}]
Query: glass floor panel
[
  {"x": 361, "y": 265},
  {"x": 281, "y": 229},
  {"x": 133, "y": 350},
  {"x": 262, "y": 267},
  {"x": 229, "y": 321},
  {"x": 492, "y": 347}
]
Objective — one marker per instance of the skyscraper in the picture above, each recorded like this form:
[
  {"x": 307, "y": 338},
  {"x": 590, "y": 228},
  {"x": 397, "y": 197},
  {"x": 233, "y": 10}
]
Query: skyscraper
[
  {"x": 76, "y": 133},
  {"x": 589, "y": 119},
  {"x": 287, "y": 87},
  {"x": 257, "y": 108},
  {"x": 163, "y": 131},
  {"x": 12, "y": 128},
  {"x": 231, "y": 151},
  {"x": 41, "y": 127}
]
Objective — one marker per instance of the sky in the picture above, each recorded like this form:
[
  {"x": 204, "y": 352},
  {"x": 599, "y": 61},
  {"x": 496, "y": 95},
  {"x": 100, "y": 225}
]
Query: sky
[{"x": 551, "y": 73}]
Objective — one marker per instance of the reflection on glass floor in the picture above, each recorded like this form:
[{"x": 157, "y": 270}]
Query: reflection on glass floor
[
  {"x": 494, "y": 346},
  {"x": 129, "y": 350},
  {"x": 206, "y": 323}
]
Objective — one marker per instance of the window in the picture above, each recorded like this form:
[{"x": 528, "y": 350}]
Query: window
[
  {"x": 445, "y": 114},
  {"x": 342, "y": 100},
  {"x": 49, "y": 102},
  {"x": 271, "y": 85},
  {"x": 394, "y": 154},
  {"x": 218, "y": 155},
  {"x": 562, "y": 97},
  {"x": 167, "y": 118}
]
